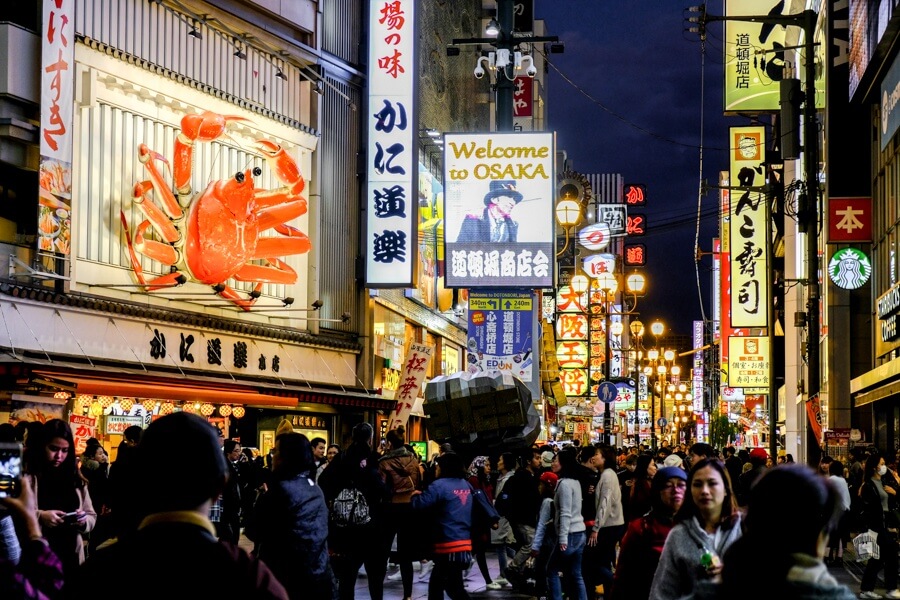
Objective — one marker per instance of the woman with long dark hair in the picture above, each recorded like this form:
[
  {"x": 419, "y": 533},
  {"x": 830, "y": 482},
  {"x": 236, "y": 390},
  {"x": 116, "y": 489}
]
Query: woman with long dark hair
[
  {"x": 65, "y": 510},
  {"x": 875, "y": 516},
  {"x": 640, "y": 497},
  {"x": 794, "y": 566},
  {"x": 707, "y": 523}
]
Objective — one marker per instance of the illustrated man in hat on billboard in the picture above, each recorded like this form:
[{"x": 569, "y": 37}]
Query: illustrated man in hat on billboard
[{"x": 494, "y": 224}]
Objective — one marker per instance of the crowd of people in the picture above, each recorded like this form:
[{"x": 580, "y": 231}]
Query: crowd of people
[{"x": 578, "y": 521}]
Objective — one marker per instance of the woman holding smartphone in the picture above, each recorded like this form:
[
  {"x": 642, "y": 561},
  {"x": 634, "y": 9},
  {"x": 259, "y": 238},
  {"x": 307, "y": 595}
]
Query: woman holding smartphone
[{"x": 64, "y": 505}]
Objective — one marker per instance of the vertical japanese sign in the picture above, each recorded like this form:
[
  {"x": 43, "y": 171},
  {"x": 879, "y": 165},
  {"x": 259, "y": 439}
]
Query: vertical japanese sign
[
  {"x": 749, "y": 359},
  {"x": 522, "y": 96},
  {"x": 747, "y": 229},
  {"x": 411, "y": 377},
  {"x": 391, "y": 197},
  {"x": 754, "y": 63},
  {"x": 83, "y": 428},
  {"x": 499, "y": 329},
  {"x": 697, "y": 375},
  {"x": 57, "y": 106},
  {"x": 499, "y": 190}
]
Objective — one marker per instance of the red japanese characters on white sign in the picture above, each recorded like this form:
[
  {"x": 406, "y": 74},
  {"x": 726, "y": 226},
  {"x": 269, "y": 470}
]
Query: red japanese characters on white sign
[{"x": 411, "y": 377}]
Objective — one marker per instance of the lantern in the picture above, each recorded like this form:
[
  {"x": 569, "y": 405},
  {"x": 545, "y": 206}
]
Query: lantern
[
  {"x": 188, "y": 407},
  {"x": 148, "y": 404},
  {"x": 126, "y": 404},
  {"x": 84, "y": 400},
  {"x": 166, "y": 408},
  {"x": 96, "y": 409},
  {"x": 225, "y": 410},
  {"x": 238, "y": 412},
  {"x": 105, "y": 401},
  {"x": 207, "y": 409},
  {"x": 61, "y": 395}
]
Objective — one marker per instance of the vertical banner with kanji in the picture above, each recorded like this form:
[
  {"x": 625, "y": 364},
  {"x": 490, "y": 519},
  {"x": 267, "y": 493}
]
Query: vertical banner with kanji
[
  {"x": 747, "y": 237},
  {"x": 57, "y": 106},
  {"x": 391, "y": 195},
  {"x": 411, "y": 377},
  {"x": 83, "y": 428}
]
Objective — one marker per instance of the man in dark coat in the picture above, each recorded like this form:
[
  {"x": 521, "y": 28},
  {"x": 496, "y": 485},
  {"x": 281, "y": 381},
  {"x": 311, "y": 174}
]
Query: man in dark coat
[
  {"x": 494, "y": 224},
  {"x": 746, "y": 480},
  {"x": 175, "y": 539}
]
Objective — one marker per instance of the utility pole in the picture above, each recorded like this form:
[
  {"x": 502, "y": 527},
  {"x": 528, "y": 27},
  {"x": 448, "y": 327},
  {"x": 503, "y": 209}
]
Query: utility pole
[
  {"x": 808, "y": 210},
  {"x": 505, "y": 44}
]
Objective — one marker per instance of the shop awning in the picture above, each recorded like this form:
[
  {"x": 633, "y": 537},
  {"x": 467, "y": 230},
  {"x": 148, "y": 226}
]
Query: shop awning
[{"x": 205, "y": 389}]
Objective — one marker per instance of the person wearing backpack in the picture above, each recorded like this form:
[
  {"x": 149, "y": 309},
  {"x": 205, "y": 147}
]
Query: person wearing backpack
[{"x": 354, "y": 492}]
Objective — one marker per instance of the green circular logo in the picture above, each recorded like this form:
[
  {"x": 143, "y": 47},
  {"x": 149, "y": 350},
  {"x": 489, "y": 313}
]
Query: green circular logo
[{"x": 849, "y": 268}]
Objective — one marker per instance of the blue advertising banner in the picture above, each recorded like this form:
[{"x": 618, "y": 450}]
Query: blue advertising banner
[{"x": 500, "y": 325}]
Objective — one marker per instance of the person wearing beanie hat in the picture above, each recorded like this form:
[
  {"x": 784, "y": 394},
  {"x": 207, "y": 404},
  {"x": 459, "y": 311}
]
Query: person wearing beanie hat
[
  {"x": 673, "y": 460},
  {"x": 284, "y": 427},
  {"x": 645, "y": 536},
  {"x": 746, "y": 480}
]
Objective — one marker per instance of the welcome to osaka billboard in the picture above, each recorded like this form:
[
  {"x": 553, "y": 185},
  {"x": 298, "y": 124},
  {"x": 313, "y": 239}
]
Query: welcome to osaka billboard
[{"x": 498, "y": 206}]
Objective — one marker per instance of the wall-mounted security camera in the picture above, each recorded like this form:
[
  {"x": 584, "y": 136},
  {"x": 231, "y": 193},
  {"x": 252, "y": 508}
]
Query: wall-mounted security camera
[
  {"x": 480, "y": 64},
  {"x": 478, "y": 72},
  {"x": 530, "y": 69}
]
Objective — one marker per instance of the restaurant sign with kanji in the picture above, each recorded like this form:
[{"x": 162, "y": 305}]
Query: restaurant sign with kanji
[
  {"x": 412, "y": 376},
  {"x": 391, "y": 196}
]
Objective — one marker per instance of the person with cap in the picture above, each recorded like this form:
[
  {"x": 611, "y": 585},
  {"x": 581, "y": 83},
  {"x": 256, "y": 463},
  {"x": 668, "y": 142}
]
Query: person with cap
[
  {"x": 448, "y": 501},
  {"x": 673, "y": 460},
  {"x": 547, "y": 460},
  {"x": 706, "y": 525},
  {"x": 645, "y": 536},
  {"x": 175, "y": 540},
  {"x": 494, "y": 224},
  {"x": 757, "y": 461}
]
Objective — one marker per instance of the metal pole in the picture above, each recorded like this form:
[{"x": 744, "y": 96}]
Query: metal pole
[
  {"x": 505, "y": 84},
  {"x": 811, "y": 175},
  {"x": 653, "y": 409}
]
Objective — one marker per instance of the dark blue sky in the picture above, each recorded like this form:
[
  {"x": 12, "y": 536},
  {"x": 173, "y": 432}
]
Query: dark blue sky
[{"x": 643, "y": 75}]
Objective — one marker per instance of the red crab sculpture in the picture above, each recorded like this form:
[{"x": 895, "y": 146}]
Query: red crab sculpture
[{"x": 212, "y": 236}]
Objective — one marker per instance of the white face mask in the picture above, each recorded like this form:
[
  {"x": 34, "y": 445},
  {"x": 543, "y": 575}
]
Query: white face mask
[{"x": 882, "y": 469}]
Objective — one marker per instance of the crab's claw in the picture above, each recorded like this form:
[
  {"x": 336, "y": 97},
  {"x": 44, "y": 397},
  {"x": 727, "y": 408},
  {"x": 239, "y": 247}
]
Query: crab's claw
[{"x": 284, "y": 167}]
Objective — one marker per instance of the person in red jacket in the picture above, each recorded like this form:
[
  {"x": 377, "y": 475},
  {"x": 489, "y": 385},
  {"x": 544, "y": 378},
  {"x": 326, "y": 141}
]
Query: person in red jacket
[{"x": 643, "y": 542}]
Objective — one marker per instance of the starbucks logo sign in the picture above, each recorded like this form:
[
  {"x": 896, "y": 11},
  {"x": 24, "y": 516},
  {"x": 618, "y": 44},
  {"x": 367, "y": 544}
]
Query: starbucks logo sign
[{"x": 849, "y": 268}]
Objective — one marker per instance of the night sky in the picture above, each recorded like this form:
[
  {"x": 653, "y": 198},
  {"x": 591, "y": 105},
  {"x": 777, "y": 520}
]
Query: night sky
[{"x": 632, "y": 106}]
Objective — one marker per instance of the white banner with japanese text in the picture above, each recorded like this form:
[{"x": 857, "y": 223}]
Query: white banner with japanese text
[{"x": 411, "y": 378}]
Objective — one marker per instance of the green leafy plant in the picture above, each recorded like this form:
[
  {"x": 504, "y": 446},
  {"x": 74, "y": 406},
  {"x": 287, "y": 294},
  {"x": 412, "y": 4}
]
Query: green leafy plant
[{"x": 721, "y": 430}]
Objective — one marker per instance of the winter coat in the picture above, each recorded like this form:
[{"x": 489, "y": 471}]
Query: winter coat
[
  {"x": 400, "y": 470},
  {"x": 873, "y": 515},
  {"x": 525, "y": 498},
  {"x": 291, "y": 529},
  {"x": 83, "y": 502},
  {"x": 449, "y": 504},
  {"x": 639, "y": 554},
  {"x": 679, "y": 565}
]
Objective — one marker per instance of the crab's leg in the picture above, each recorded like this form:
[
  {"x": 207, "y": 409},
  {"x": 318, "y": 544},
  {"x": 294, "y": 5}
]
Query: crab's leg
[
  {"x": 284, "y": 167},
  {"x": 156, "y": 250},
  {"x": 161, "y": 223},
  {"x": 296, "y": 242},
  {"x": 272, "y": 216},
  {"x": 266, "y": 198},
  {"x": 278, "y": 272},
  {"x": 204, "y": 127},
  {"x": 167, "y": 198}
]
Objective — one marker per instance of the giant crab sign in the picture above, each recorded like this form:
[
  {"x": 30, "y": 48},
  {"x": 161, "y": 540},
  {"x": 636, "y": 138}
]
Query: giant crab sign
[{"x": 212, "y": 236}]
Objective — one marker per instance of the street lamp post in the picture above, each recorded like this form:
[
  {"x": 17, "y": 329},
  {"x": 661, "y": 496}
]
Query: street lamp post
[{"x": 657, "y": 329}]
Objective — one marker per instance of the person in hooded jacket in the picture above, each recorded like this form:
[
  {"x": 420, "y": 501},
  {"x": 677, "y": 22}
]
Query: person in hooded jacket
[
  {"x": 707, "y": 523},
  {"x": 292, "y": 522},
  {"x": 646, "y": 535}
]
